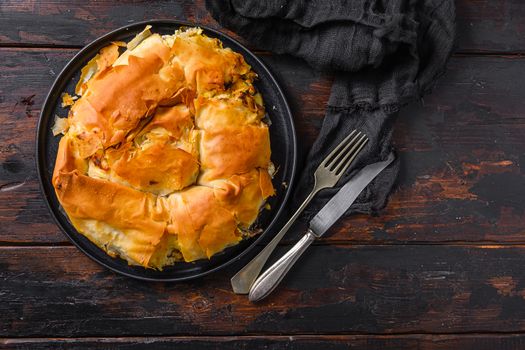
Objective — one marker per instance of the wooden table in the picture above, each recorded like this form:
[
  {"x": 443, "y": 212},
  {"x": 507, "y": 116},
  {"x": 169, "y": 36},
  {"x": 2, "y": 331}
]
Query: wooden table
[{"x": 442, "y": 267}]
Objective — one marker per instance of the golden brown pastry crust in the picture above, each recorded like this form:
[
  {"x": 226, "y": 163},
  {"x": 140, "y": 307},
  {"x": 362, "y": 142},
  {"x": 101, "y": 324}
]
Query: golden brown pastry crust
[{"x": 165, "y": 153}]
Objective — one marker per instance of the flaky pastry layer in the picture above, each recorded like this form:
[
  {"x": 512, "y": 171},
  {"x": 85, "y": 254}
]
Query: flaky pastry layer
[{"x": 164, "y": 155}]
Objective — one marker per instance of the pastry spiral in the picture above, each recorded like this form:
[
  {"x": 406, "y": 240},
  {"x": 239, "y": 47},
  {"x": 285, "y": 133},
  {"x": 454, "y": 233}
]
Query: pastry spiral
[{"x": 164, "y": 155}]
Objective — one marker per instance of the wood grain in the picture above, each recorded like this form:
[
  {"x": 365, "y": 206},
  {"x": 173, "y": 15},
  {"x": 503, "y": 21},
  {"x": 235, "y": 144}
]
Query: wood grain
[
  {"x": 53, "y": 291},
  {"x": 441, "y": 268},
  {"x": 482, "y": 25},
  {"x": 461, "y": 180},
  {"x": 345, "y": 342}
]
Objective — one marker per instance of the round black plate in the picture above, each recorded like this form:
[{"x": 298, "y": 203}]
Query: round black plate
[{"x": 283, "y": 143}]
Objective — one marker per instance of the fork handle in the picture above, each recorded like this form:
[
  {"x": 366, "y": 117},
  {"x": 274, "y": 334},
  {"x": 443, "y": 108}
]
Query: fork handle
[
  {"x": 243, "y": 280},
  {"x": 267, "y": 282}
]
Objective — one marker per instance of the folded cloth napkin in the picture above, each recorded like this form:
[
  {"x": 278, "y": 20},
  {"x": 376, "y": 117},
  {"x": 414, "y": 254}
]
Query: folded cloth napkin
[{"x": 382, "y": 53}]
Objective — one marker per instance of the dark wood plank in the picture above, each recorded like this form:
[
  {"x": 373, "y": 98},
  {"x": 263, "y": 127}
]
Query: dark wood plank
[
  {"x": 490, "y": 25},
  {"x": 462, "y": 178},
  {"x": 333, "y": 290},
  {"x": 77, "y": 22},
  {"x": 27, "y": 76},
  {"x": 483, "y": 25},
  {"x": 355, "y": 342}
]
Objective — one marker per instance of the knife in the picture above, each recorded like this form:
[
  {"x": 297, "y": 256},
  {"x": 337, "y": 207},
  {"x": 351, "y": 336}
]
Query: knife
[{"x": 327, "y": 216}]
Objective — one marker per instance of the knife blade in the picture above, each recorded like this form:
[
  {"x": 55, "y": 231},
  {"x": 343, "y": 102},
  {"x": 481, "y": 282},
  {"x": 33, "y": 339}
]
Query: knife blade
[
  {"x": 327, "y": 216},
  {"x": 346, "y": 196}
]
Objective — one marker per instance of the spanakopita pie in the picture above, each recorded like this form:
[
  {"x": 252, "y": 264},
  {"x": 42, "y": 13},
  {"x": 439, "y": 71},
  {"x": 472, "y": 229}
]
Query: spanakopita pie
[{"x": 165, "y": 152}]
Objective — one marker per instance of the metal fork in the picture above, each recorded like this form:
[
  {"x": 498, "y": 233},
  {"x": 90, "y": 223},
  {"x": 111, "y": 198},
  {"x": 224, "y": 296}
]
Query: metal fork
[{"x": 327, "y": 174}]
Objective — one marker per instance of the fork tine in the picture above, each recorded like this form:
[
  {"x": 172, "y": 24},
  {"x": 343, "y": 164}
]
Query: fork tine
[
  {"x": 335, "y": 151},
  {"x": 330, "y": 158},
  {"x": 351, "y": 155},
  {"x": 337, "y": 158}
]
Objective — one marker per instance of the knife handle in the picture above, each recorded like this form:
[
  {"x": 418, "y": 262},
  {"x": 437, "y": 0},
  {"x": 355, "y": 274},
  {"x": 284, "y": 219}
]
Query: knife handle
[
  {"x": 244, "y": 278},
  {"x": 267, "y": 282}
]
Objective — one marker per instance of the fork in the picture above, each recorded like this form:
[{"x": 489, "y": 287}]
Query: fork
[{"x": 326, "y": 175}]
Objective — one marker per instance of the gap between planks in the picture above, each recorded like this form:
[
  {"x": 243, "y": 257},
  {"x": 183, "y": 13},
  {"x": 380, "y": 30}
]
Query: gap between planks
[
  {"x": 357, "y": 244},
  {"x": 460, "y": 53},
  {"x": 276, "y": 336}
]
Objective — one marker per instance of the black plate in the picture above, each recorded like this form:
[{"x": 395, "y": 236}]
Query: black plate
[{"x": 283, "y": 143}]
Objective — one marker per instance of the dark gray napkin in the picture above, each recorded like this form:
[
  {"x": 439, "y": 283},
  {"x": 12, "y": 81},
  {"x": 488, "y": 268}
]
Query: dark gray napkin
[{"x": 382, "y": 53}]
